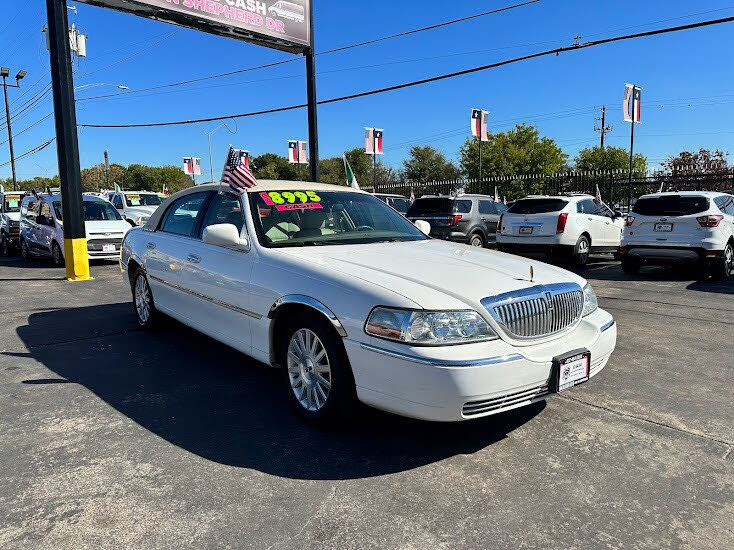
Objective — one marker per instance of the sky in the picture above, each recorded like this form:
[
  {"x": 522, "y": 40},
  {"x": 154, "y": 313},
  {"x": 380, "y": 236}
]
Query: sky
[{"x": 687, "y": 80}]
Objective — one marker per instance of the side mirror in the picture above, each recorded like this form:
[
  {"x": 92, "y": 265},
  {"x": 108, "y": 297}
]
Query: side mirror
[
  {"x": 226, "y": 236},
  {"x": 618, "y": 214},
  {"x": 423, "y": 226}
]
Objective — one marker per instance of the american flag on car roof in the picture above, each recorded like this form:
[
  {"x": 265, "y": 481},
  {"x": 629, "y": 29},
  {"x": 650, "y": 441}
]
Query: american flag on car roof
[{"x": 237, "y": 172}]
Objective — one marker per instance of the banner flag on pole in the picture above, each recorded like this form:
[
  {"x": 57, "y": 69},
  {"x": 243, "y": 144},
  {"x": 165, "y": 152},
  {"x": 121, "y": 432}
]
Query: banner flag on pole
[
  {"x": 632, "y": 103},
  {"x": 369, "y": 141},
  {"x": 597, "y": 198},
  {"x": 351, "y": 178},
  {"x": 302, "y": 157},
  {"x": 192, "y": 166},
  {"x": 479, "y": 124},
  {"x": 237, "y": 171},
  {"x": 378, "y": 141},
  {"x": 297, "y": 152},
  {"x": 496, "y": 197}
]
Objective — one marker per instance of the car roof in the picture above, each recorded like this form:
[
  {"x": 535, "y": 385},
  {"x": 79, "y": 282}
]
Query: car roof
[
  {"x": 561, "y": 197},
  {"x": 138, "y": 192},
  {"x": 57, "y": 196},
  {"x": 395, "y": 195},
  {"x": 464, "y": 196},
  {"x": 685, "y": 194}
]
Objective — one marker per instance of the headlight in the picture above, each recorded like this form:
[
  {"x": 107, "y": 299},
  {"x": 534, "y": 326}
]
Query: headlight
[
  {"x": 432, "y": 328},
  {"x": 590, "y": 302}
]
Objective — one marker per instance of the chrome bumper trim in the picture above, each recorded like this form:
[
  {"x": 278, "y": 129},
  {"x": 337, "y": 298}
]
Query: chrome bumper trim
[
  {"x": 444, "y": 362},
  {"x": 607, "y": 326}
]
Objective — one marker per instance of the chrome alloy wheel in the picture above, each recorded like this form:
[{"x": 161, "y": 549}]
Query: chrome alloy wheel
[
  {"x": 309, "y": 370},
  {"x": 729, "y": 260},
  {"x": 583, "y": 248},
  {"x": 142, "y": 299}
]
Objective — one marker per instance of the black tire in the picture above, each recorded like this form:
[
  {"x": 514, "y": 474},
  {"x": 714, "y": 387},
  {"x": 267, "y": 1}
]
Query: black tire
[
  {"x": 476, "y": 239},
  {"x": 148, "y": 318},
  {"x": 339, "y": 404},
  {"x": 24, "y": 251},
  {"x": 723, "y": 268},
  {"x": 581, "y": 251},
  {"x": 56, "y": 258},
  {"x": 630, "y": 266},
  {"x": 4, "y": 245}
]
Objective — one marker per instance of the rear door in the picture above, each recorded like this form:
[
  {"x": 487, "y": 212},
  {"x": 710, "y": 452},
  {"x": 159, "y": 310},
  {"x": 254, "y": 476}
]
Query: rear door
[
  {"x": 445, "y": 214},
  {"x": 490, "y": 216},
  {"x": 668, "y": 220},
  {"x": 534, "y": 217}
]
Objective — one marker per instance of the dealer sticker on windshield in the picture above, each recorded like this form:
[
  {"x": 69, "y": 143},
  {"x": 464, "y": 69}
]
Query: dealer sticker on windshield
[{"x": 292, "y": 200}]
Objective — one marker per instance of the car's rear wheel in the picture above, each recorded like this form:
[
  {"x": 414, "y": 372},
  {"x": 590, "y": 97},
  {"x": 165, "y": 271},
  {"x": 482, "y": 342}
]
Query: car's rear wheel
[
  {"x": 145, "y": 310},
  {"x": 581, "y": 251},
  {"x": 476, "y": 239},
  {"x": 316, "y": 369},
  {"x": 24, "y": 251},
  {"x": 4, "y": 245},
  {"x": 56, "y": 258},
  {"x": 630, "y": 266},
  {"x": 723, "y": 268}
]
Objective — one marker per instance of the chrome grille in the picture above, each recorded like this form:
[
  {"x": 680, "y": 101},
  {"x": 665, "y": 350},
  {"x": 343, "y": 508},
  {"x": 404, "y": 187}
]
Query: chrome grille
[
  {"x": 537, "y": 311},
  {"x": 504, "y": 402}
]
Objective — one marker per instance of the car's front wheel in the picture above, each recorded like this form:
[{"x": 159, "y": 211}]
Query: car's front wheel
[
  {"x": 723, "y": 268},
  {"x": 56, "y": 258},
  {"x": 316, "y": 371},
  {"x": 4, "y": 245},
  {"x": 145, "y": 310},
  {"x": 24, "y": 251}
]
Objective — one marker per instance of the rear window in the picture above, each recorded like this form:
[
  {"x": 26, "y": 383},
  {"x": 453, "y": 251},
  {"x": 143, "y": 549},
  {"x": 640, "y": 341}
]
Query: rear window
[
  {"x": 671, "y": 205},
  {"x": 537, "y": 206},
  {"x": 431, "y": 206}
]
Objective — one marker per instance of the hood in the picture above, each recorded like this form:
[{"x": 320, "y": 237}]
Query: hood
[
  {"x": 116, "y": 227},
  {"x": 433, "y": 273},
  {"x": 135, "y": 211},
  {"x": 15, "y": 216}
]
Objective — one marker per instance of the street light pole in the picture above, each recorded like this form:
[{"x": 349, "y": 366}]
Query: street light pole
[{"x": 5, "y": 72}]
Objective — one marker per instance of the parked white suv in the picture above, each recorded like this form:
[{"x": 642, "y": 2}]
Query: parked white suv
[
  {"x": 9, "y": 219},
  {"x": 135, "y": 206},
  {"x": 42, "y": 230},
  {"x": 683, "y": 227},
  {"x": 572, "y": 225}
]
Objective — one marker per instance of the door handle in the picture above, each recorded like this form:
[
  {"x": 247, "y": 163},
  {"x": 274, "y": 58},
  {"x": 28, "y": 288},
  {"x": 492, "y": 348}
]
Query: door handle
[
  {"x": 193, "y": 258},
  {"x": 484, "y": 219},
  {"x": 150, "y": 245}
]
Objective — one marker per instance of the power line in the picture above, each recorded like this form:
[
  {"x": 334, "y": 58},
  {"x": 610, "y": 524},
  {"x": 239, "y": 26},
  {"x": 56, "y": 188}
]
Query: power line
[
  {"x": 326, "y": 52},
  {"x": 33, "y": 151},
  {"x": 437, "y": 78}
]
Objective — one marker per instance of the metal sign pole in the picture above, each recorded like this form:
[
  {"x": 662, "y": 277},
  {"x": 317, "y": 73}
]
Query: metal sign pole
[
  {"x": 67, "y": 143},
  {"x": 313, "y": 125},
  {"x": 632, "y": 150},
  {"x": 10, "y": 132}
]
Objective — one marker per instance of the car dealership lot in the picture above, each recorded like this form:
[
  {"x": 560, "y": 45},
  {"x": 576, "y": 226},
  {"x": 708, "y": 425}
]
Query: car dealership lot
[{"x": 112, "y": 437}]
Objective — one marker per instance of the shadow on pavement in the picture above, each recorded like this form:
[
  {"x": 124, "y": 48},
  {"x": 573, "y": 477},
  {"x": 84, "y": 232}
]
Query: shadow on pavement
[
  {"x": 214, "y": 402},
  {"x": 720, "y": 287}
]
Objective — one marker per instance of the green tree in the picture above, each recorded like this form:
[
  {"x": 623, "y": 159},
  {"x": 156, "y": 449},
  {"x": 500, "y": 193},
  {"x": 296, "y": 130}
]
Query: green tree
[
  {"x": 517, "y": 151},
  {"x": 609, "y": 158},
  {"x": 428, "y": 164},
  {"x": 270, "y": 166},
  {"x": 94, "y": 178}
]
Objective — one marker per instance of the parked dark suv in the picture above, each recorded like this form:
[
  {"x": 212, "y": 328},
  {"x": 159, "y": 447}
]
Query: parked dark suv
[{"x": 470, "y": 219}]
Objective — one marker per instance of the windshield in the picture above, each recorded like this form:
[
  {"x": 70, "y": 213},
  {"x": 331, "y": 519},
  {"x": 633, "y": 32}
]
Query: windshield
[
  {"x": 671, "y": 205},
  {"x": 537, "y": 206},
  {"x": 308, "y": 218},
  {"x": 93, "y": 211},
  {"x": 143, "y": 199},
  {"x": 12, "y": 203}
]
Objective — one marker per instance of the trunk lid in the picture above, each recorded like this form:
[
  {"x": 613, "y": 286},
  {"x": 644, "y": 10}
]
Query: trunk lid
[{"x": 533, "y": 217}]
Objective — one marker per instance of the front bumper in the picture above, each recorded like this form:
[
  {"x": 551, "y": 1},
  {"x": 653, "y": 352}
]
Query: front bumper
[{"x": 455, "y": 383}]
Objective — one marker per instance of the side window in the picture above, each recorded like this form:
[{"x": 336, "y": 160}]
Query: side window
[
  {"x": 586, "y": 206},
  {"x": 117, "y": 202},
  {"x": 602, "y": 210},
  {"x": 183, "y": 214},
  {"x": 31, "y": 211},
  {"x": 487, "y": 207},
  {"x": 463, "y": 206},
  {"x": 224, "y": 208},
  {"x": 501, "y": 208},
  {"x": 45, "y": 211}
]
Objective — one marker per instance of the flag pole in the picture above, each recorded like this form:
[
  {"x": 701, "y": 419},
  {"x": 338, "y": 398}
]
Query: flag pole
[
  {"x": 298, "y": 159},
  {"x": 632, "y": 148},
  {"x": 479, "y": 138}
]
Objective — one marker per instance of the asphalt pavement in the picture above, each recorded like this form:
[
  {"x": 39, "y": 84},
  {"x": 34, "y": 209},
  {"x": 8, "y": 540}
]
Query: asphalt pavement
[{"x": 113, "y": 437}]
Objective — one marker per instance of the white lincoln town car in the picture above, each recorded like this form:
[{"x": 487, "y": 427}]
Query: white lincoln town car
[{"x": 352, "y": 302}]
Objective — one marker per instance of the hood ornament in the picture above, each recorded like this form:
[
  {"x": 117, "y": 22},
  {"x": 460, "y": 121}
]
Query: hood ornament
[{"x": 532, "y": 274}]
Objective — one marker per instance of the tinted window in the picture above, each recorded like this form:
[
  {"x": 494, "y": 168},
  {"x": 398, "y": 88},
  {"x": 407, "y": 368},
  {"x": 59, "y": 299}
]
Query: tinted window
[
  {"x": 501, "y": 207},
  {"x": 487, "y": 207},
  {"x": 725, "y": 204},
  {"x": 143, "y": 199},
  {"x": 182, "y": 215},
  {"x": 431, "y": 206},
  {"x": 117, "y": 202},
  {"x": 670, "y": 205},
  {"x": 31, "y": 210},
  {"x": 537, "y": 206},
  {"x": 586, "y": 206},
  {"x": 400, "y": 204},
  {"x": 462, "y": 206},
  {"x": 94, "y": 210},
  {"x": 224, "y": 208}
]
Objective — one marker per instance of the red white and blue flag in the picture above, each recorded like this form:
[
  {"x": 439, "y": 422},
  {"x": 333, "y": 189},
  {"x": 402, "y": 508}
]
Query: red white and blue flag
[
  {"x": 479, "y": 124},
  {"x": 297, "y": 152},
  {"x": 597, "y": 198},
  {"x": 192, "y": 166},
  {"x": 237, "y": 171},
  {"x": 632, "y": 103},
  {"x": 373, "y": 141}
]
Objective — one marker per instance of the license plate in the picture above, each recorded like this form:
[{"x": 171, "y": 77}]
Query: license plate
[
  {"x": 570, "y": 370},
  {"x": 666, "y": 227},
  {"x": 526, "y": 230},
  {"x": 108, "y": 248}
]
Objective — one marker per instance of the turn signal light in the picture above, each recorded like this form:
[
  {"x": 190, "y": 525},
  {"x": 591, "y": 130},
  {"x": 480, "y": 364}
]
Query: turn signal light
[
  {"x": 499, "y": 224},
  {"x": 454, "y": 219},
  {"x": 561, "y": 224},
  {"x": 709, "y": 221},
  {"x": 629, "y": 221}
]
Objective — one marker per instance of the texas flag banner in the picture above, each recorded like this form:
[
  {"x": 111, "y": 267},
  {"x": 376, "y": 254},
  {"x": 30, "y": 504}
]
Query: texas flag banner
[
  {"x": 378, "y": 142},
  {"x": 293, "y": 151},
  {"x": 192, "y": 166},
  {"x": 479, "y": 124},
  {"x": 633, "y": 99}
]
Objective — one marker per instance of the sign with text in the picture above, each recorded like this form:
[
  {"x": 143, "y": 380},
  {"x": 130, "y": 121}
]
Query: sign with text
[{"x": 281, "y": 24}]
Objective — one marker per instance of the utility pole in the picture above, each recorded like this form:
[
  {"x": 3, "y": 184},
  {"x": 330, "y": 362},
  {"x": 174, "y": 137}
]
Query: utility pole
[
  {"x": 62, "y": 82},
  {"x": 5, "y": 73},
  {"x": 604, "y": 128},
  {"x": 107, "y": 170},
  {"x": 313, "y": 125}
]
